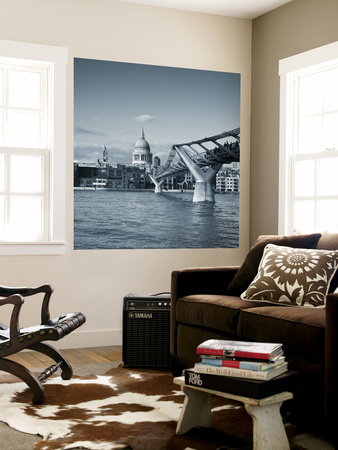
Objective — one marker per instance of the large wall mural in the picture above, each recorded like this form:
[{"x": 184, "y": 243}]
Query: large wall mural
[{"x": 156, "y": 157}]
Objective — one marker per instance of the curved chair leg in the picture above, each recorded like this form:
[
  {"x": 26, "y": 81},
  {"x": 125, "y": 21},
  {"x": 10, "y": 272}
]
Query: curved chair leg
[
  {"x": 67, "y": 371},
  {"x": 25, "y": 375}
]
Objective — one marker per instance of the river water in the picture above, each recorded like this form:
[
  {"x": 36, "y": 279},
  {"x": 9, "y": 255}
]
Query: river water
[{"x": 105, "y": 219}]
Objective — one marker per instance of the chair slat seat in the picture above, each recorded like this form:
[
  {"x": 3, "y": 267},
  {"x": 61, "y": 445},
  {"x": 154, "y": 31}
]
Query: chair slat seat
[{"x": 53, "y": 330}]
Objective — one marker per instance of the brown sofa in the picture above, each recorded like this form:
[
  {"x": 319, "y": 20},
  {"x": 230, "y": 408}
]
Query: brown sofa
[{"x": 206, "y": 303}]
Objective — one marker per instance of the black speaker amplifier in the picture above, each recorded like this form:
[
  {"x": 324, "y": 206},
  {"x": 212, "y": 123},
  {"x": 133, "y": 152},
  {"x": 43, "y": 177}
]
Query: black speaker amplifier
[{"x": 146, "y": 330}]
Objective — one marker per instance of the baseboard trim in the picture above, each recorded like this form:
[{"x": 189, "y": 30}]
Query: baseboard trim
[{"x": 85, "y": 339}]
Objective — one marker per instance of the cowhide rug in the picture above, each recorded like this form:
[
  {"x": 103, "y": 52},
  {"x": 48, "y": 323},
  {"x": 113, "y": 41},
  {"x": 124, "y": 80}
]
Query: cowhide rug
[{"x": 125, "y": 408}]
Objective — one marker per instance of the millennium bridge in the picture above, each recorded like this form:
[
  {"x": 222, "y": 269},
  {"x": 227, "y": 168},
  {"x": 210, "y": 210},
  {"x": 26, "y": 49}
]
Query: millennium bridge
[{"x": 201, "y": 161}]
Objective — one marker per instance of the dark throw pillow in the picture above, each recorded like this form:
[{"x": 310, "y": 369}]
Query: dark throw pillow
[
  {"x": 249, "y": 268},
  {"x": 293, "y": 276},
  {"x": 329, "y": 241}
]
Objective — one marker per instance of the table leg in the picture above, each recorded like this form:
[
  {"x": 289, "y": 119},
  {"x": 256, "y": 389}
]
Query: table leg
[
  {"x": 268, "y": 428},
  {"x": 196, "y": 410}
]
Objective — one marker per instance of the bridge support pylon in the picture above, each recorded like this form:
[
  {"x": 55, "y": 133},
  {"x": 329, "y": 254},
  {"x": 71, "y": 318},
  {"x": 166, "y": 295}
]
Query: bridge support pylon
[
  {"x": 158, "y": 184},
  {"x": 204, "y": 191}
]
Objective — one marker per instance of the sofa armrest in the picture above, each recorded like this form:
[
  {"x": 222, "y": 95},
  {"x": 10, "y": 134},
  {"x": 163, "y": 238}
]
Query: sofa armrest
[
  {"x": 331, "y": 356},
  {"x": 197, "y": 280},
  {"x": 201, "y": 280}
]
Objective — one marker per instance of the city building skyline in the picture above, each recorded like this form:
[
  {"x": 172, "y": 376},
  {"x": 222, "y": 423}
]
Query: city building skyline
[{"x": 135, "y": 175}]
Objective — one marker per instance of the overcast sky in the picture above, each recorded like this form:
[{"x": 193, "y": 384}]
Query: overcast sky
[{"x": 113, "y": 101}]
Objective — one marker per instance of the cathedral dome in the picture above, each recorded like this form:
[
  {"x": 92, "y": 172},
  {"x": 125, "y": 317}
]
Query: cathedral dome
[
  {"x": 142, "y": 155},
  {"x": 142, "y": 144}
]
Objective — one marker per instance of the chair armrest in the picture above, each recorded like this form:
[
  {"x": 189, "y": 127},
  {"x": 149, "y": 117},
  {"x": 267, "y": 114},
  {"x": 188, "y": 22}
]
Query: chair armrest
[
  {"x": 331, "y": 352},
  {"x": 17, "y": 301},
  {"x": 46, "y": 289},
  {"x": 5, "y": 291}
]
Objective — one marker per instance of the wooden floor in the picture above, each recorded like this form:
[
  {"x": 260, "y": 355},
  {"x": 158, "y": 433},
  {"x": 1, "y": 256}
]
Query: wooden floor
[{"x": 33, "y": 360}]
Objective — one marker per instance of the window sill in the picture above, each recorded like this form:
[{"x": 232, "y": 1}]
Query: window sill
[{"x": 30, "y": 248}]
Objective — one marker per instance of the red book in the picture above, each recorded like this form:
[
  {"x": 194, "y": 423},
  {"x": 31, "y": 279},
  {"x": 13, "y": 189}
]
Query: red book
[{"x": 239, "y": 349}]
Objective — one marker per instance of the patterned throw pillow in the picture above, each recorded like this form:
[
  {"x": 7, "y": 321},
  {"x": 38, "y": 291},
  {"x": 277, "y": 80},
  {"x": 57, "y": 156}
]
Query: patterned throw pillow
[
  {"x": 293, "y": 276},
  {"x": 248, "y": 269}
]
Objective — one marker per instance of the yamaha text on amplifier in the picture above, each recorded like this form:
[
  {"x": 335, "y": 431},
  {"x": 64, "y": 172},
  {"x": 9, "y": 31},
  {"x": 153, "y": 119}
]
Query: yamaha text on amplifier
[{"x": 146, "y": 330}]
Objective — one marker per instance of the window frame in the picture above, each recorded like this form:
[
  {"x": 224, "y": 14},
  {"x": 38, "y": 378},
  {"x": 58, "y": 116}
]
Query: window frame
[
  {"x": 289, "y": 70},
  {"x": 57, "y": 58}
]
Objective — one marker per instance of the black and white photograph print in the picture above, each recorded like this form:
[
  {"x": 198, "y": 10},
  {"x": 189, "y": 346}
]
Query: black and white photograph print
[{"x": 156, "y": 157}]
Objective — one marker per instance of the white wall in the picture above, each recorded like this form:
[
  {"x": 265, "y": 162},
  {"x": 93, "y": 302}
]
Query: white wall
[
  {"x": 296, "y": 27},
  {"x": 95, "y": 282}
]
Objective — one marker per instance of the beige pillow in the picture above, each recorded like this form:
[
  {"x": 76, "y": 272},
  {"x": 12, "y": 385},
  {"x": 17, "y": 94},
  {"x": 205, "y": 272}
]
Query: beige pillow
[{"x": 293, "y": 276}]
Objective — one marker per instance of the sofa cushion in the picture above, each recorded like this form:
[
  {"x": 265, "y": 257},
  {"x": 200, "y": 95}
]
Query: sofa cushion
[
  {"x": 249, "y": 268},
  {"x": 293, "y": 276},
  {"x": 219, "y": 312},
  {"x": 300, "y": 330}
]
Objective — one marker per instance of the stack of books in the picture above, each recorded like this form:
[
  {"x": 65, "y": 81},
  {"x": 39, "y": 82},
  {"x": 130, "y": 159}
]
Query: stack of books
[
  {"x": 255, "y": 360},
  {"x": 239, "y": 367}
]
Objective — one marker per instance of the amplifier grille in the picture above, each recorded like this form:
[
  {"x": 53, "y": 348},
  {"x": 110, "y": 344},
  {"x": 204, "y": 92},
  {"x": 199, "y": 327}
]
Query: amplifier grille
[{"x": 146, "y": 334}]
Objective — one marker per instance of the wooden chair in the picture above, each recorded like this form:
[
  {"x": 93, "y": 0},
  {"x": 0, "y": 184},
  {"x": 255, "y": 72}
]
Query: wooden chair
[{"x": 13, "y": 339}]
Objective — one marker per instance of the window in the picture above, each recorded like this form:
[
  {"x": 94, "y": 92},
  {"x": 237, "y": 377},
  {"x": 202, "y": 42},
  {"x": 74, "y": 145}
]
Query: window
[
  {"x": 32, "y": 148},
  {"x": 308, "y": 192}
]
